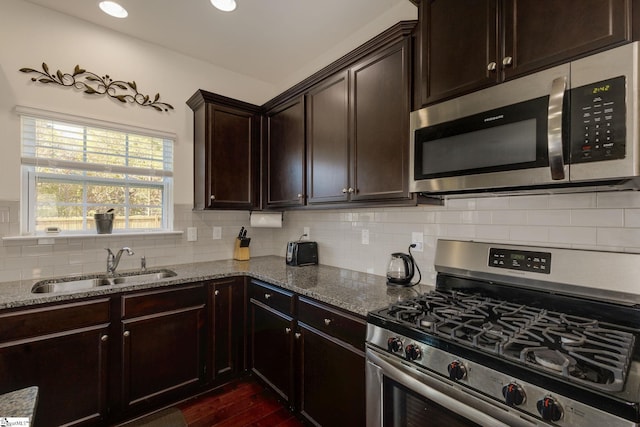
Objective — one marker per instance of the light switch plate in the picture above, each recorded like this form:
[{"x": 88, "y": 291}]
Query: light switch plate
[
  {"x": 192, "y": 234},
  {"x": 217, "y": 233},
  {"x": 365, "y": 236}
]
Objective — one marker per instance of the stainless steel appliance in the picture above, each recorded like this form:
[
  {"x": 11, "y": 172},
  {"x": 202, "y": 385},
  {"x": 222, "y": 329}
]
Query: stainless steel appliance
[
  {"x": 302, "y": 253},
  {"x": 401, "y": 269},
  {"x": 571, "y": 127},
  {"x": 511, "y": 336}
]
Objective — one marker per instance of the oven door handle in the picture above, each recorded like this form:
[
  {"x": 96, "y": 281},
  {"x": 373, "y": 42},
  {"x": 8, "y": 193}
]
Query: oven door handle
[
  {"x": 427, "y": 387},
  {"x": 554, "y": 128}
]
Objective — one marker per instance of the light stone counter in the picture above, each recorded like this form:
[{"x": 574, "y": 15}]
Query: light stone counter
[
  {"x": 353, "y": 291},
  {"x": 19, "y": 404}
]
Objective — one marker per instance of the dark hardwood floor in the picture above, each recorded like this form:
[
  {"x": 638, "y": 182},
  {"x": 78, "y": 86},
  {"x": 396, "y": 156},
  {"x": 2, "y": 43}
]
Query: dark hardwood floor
[{"x": 243, "y": 402}]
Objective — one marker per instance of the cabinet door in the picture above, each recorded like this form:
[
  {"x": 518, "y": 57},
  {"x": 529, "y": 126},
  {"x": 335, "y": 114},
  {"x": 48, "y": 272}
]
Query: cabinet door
[
  {"x": 459, "y": 43},
  {"x": 271, "y": 341},
  {"x": 332, "y": 380},
  {"x": 64, "y": 351},
  {"x": 162, "y": 345},
  {"x": 539, "y": 33},
  {"x": 231, "y": 158},
  {"x": 285, "y": 155},
  {"x": 380, "y": 89},
  {"x": 227, "y": 328},
  {"x": 328, "y": 141}
]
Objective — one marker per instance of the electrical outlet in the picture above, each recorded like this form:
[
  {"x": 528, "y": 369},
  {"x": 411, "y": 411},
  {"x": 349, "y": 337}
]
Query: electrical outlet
[
  {"x": 217, "y": 233},
  {"x": 417, "y": 238},
  {"x": 192, "y": 234},
  {"x": 306, "y": 231},
  {"x": 365, "y": 236}
]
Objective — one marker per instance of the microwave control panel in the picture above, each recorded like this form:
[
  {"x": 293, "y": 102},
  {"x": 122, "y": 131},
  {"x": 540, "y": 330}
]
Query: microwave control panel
[
  {"x": 537, "y": 262},
  {"x": 598, "y": 115}
]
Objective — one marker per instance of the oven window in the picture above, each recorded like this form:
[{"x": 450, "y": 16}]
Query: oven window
[{"x": 404, "y": 408}]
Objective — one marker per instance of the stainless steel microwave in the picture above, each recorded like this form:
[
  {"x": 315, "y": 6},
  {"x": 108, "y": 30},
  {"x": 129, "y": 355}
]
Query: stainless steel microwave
[{"x": 574, "y": 126}]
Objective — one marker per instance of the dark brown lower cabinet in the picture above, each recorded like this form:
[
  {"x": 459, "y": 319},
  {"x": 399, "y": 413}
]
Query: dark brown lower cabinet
[
  {"x": 271, "y": 335},
  {"x": 331, "y": 365},
  {"x": 64, "y": 350},
  {"x": 163, "y": 346},
  {"x": 226, "y": 334},
  {"x": 332, "y": 381}
]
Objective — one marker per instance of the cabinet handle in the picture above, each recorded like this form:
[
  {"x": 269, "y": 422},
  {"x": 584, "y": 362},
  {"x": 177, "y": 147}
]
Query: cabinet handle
[
  {"x": 507, "y": 61},
  {"x": 287, "y": 330},
  {"x": 327, "y": 322},
  {"x": 104, "y": 338},
  {"x": 267, "y": 296},
  {"x": 216, "y": 292},
  {"x": 213, "y": 197},
  {"x": 491, "y": 66},
  {"x": 126, "y": 334},
  {"x": 298, "y": 335}
]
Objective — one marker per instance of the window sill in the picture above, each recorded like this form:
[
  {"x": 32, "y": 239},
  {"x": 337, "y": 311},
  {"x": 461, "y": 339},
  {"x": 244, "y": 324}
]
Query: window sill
[{"x": 44, "y": 239}]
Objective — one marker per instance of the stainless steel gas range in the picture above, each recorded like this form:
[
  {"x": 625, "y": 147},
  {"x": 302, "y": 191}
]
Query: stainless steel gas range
[{"x": 513, "y": 336}]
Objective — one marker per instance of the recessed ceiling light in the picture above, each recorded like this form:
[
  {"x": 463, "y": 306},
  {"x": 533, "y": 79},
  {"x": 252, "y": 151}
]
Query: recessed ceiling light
[
  {"x": 224, "y": 5},
  {"x": 114, "y": 9}
]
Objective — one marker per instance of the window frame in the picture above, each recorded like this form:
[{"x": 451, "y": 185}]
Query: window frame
[{"x": 29, "y": 177}]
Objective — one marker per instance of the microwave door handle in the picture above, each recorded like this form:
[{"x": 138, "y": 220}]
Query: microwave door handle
[{"x": 554, "y": 129}]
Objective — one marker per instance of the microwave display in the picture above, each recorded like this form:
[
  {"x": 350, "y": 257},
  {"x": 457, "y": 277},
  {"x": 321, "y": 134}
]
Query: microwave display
[{"x": 598, "y": 121}]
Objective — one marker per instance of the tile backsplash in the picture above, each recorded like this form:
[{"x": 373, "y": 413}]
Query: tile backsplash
[{"x": 607, "y": 221}]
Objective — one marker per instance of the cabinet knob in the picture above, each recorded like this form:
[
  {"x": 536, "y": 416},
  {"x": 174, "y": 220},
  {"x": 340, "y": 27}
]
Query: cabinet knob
[
  {"x": 216, "y": 292},
  {"x": 213, "y": 197},
  {"x": 327, "y": 322},
  {"x": 491, "y": 66},
  {"x": 287, "y": 330},
  {"x": 344, "y": 191},
  {"x": 126, "y": 334},
  {"x": 298, "y": 335},
  {"x": 507, "y": 61},
  {"x": 104, "y": 338},
  {"x": 351, "y": 190},
  {"x": 267, "y": 296},
  {"x": 300, "y": 195}
]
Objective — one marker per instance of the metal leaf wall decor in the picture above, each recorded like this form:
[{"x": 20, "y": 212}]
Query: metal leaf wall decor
[{"x": 93, "y": 84}]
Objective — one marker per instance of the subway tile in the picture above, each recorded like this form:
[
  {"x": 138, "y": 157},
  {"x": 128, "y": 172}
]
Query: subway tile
[
  {"x": 632, "y": 218},
  {"x": 619, "y": 237},
  {"x": 549, "y": 217},
  {"x": 618, "y": 199},
  {"x": 529, "y": 202},
  {"x": 572, "y": 201},
  {"x": 524, "y": 234},
  {"x": 597, "y": 217},
  {"x": 573, "y": 235}
]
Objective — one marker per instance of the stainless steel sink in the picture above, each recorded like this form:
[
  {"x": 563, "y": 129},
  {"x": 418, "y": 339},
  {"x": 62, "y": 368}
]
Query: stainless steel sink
[{"x": 70, "y": 284}]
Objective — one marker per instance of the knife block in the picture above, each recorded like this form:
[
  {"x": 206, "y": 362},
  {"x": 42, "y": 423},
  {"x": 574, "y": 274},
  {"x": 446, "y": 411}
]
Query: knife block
[{"x": 241, "y": 249}]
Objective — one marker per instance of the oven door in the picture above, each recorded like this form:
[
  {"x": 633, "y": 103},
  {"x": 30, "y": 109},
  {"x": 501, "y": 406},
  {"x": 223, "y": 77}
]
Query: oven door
[{"x": 400, "y": 395}]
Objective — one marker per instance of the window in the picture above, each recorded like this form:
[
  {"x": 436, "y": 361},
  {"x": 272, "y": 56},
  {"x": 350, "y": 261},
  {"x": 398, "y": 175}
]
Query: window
[{"x": 72, "y": 170}]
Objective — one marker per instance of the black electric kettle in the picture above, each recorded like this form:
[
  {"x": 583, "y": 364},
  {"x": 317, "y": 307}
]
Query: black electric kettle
[{"x": 401, "y": 269}]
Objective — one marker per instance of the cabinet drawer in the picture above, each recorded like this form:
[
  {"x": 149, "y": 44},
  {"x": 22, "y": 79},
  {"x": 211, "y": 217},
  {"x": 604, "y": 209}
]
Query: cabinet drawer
[
  {"x": 343, "y": 326},
  {"x": 52, "y": 319},
  {"x": 272, "y": 296},
  {"x": 146, "y": 303}
]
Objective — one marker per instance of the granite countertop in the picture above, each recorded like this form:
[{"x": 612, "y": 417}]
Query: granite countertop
[
  {"x": 353, "y": 291},
  {"x": 19, "y": 404}
]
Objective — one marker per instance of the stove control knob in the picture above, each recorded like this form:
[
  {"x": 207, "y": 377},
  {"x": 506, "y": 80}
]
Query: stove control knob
[
  {"x": 412, "y": 352},
  {"x": 549, "y": 409},
  {"x": 457, "y": 371},
  {"x": 394, "y": 345},
  {"x": 513, "y": 394}
]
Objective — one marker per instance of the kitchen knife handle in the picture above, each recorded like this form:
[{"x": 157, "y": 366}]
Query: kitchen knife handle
[{"x": 554, "y": 129}]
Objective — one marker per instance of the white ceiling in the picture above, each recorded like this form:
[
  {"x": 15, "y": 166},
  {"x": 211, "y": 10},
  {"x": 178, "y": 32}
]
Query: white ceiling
[{"x": 263, "y": 39}]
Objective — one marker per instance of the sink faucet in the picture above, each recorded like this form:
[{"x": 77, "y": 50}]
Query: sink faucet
[{"x": 113, "y": 260}]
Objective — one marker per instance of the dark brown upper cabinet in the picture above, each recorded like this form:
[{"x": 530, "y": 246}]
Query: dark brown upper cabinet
[
  {"x": 357, "y": 124},
  {"x": 226, "y": 152},
  {"x": 285, "y": 155},
  {"x": 467, "y": 45},
  {"x": 328, "y": 140}
]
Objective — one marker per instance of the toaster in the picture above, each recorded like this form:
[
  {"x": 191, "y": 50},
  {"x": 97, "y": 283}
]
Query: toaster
[{"x": 302, "y": 253}]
